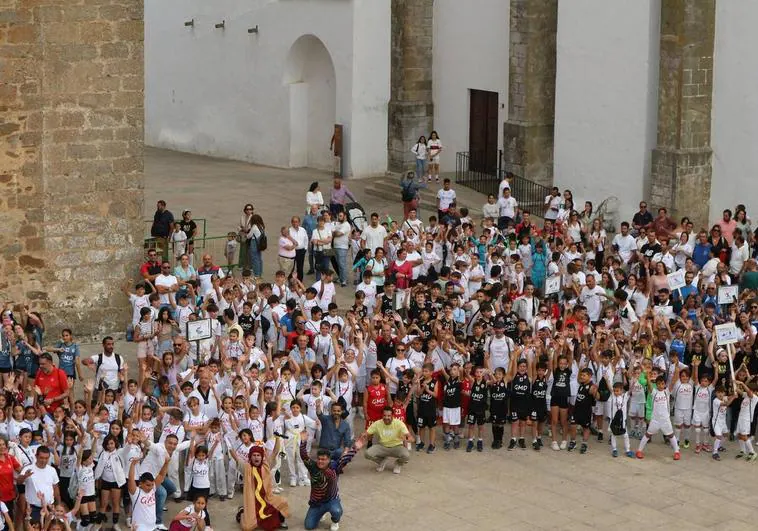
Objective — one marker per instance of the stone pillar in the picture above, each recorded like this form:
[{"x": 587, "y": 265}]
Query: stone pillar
[
  {"x": 681, "y": 162},
  {"x": 71, "y": 167},
  {"x": 528, "y": 142},
  {"x": 411, "y": 110}
]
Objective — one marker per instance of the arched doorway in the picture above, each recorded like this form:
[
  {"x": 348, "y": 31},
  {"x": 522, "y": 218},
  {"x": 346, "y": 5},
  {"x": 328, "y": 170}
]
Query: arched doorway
[{"x": 310, "y": 80}]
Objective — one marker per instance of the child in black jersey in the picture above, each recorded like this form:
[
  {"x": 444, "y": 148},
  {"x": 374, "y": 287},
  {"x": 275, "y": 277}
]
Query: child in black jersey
[
  {"x": 521, "y": 391},
  {"x": 451, "y": 406},
  {"x": 559, "y": 398},
  {"x": 538, "y": 414},
  {"x": 498, "y": 393},
  {"x": 477, "y": 407},
  {"x": 426, "y": 391},
  {"x": 582, "y": 416}
]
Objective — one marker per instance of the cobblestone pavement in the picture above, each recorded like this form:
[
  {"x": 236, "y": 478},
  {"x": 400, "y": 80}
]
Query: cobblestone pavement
[{"x": 454, "y": 490}]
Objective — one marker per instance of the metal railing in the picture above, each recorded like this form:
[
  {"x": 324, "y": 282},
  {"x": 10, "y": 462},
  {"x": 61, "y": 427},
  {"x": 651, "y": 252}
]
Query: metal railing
[
  {"x": 216, "y": 246},
  {"x": 200, "y": 222},
  {"x": 484, "y": 176}
]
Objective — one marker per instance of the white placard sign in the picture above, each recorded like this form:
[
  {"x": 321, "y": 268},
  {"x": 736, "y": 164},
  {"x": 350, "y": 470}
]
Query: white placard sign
[
  {"x": 729, "y": 294},
  {"x": 552, "y": 285},
  {"x": 726, "y": 334},
  {"x": 198, "y": 330},
  {"x": 676, "y": 280}
]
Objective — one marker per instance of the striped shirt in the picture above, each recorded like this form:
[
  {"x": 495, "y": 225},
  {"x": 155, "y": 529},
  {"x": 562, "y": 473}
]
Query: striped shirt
[{"x": 324, "y": 482}]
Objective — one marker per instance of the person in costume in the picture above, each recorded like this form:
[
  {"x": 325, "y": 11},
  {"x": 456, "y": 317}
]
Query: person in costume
[{"x": 262, "y": 509}]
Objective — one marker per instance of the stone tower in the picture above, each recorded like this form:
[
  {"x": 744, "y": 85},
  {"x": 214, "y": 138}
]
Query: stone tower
[
  {"x": 411, "y": 110},
  {"x": 71, "y": 167}
]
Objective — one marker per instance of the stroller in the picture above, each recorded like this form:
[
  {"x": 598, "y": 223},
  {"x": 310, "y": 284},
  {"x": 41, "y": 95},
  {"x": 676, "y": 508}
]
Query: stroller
[{"x": 356, "y": 215}]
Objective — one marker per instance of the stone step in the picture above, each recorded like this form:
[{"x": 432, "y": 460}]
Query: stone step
[{"x": 388, "y": 188}]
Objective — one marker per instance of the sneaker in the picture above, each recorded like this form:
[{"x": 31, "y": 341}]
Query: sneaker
[
  {"x": 494, "y": 445},
  {"x": 512, "y": 444},
  {"x": 555, "y": 446},
  {"x": 593, "y": 430},
  {"x": 640, "y": 455},
  {"x": 630, "y": 454},
  {"x": 686, "y": 443},
  {"x": 707, "y": 447},
  {"x": 446, "y": 444},
  {"x": 470, "y": 446},
  {"x": 751, "y": 456},
  {"x": 430, "y": 449},
  {"x": 539, "y": 442},
  {"x": 722, "y": 448},
  {"x": 583, "y": 448},
  {"x": 600, "y": 436},
  {"x": 571, "y": 446},
  {"x": 740, "y": 455},
  {"x": 230, "y": 497},
  {"x": 480, "y": 446},
  {"x": 456, "y": 442},
  {"x": 716, "y": 457},
  {"x": 564, "y": 444},
  {"x": 698, "y": 448},
  {"x": 129, "y": 522},
  {"x": 334, "y": 527},
  {"x": 419, "y": 446},
  {"x": 397, "y": 469},
  {"x": 305, "y": 482},
  {"x": 522, "y": 444},
  {"x": 117, "y": 527},
  {"x": 677, "y": 456},
  {"x": 293, "y": 483},
  {"x": 535, "y": 446},
  {"x": 615, "y": 453},
  {"x": 381, "y": 465},
  {"x": 277, "y": 490},
  {"x": 157, "y": 526}
]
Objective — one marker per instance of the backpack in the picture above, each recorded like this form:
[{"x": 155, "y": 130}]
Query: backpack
[
  {"x": 408, "y": 195},
  {"x": 617, "y": 423},
  {"x": 603, "y": 391},
  {"x": 262, "y": 240},
  {"x": 100, "y": 362}
]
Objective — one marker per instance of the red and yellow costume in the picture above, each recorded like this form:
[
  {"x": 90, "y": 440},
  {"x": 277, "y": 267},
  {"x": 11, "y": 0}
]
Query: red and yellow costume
[{"x": 263, "y": 509}]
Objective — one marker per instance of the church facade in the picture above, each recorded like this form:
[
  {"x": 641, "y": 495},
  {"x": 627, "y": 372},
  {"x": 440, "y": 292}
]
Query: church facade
[{"x": 628, "y": 98}]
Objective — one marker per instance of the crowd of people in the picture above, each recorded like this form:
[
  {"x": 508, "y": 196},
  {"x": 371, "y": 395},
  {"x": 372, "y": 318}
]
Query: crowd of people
[{"x": 554, "y": 331}]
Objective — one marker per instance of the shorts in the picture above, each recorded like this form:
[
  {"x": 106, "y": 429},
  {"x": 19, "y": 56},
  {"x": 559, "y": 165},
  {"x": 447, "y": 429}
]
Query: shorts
[
  {"x": 20, "y": 489},
  {"x": 637, "y": 409},
  {"x": 743, "y": 427},
  {"x": 701, "y": 419},
  {"x": 538, "y": 415},
  {"x": 498, "y": 419},
  {"x": 89, "y": 499},
  {"x": 662, "y": 425},
  {"x": 520, "y": 409},
  {"x": 5, "y": 370},
  {"x": 451, "y": 416},
  {"x": 109, "y": 485},
  {"x": 602, "y": 408},
  {"x": 144, "y": 348},
  {"x": 427, "y": 419},
  {"x": 475, "y": 418},
  {"x": 719, "y": 429},
  {"x": 582, "y": 419},
  {"x": 682, "y": 417},
  {"x": 559, "y": 401}
]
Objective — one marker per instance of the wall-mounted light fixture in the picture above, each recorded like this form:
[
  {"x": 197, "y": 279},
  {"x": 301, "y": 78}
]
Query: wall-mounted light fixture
[
  {"x": 190, "y": 23},
  {"x": 221, "y": 24},
  {"x": 253, "y": 30}
]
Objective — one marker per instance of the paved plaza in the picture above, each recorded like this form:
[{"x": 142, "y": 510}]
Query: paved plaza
[{"x": 454, "y": 490}]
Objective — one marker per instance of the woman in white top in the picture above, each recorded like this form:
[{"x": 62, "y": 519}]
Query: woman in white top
[
  {"x": 313, "y": 197},
  {"x": 421, "y": 155},
  {"x": 321, "y": 239},
  {"x": 434, "y": 147},
  {"x": 598, "y": 239},
  {"x": 682, "y": 250},
  {"x": 257, "y": 228}
]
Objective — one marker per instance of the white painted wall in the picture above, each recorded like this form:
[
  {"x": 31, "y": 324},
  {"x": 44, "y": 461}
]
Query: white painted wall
[
  {"x": 735, "y": 108},
  {"x": 471, "y": 43},
  {"x": 223, "y": 92},
  {"x": 606, "y": 99}
]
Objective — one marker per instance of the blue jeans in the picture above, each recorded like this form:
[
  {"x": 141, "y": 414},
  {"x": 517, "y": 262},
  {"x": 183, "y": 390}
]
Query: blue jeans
[
  {"x": 320, "y": 263},
  {"x": 162, "y": 492},
  {"x": 342, "y": 262},
  {"x": 316, "y": 512},
  {"x": 420, "y": 168},
  {"x": 254, "y": 255}
]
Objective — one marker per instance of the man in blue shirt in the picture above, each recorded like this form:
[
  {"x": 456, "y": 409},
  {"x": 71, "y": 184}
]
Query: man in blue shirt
[
  {"x": 335, "y": 431},
  {"x": 702, "y": 252}
]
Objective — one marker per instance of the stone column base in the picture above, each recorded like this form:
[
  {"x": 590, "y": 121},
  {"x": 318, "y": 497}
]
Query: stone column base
[
  {"x": 681, "y": 181},
  {"x": 528, "y": 151},
  {"x": 408, "y": 120}
]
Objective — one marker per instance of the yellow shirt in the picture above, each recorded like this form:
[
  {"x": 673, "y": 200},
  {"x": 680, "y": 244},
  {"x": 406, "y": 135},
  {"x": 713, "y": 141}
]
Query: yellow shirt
[{"x": 389, "y": 435}]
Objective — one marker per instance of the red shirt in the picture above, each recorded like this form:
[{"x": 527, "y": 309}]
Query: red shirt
[
  {"x": 52, "y": 385},
  {"x": 7, "y": 485},
  {"x": 377, "y": 400},
  {"x": 465, "y": 395},
  {"x": 398, "y": 412}
]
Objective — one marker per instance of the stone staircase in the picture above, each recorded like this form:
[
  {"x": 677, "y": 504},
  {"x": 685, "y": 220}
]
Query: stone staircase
[{"x": 388, "y": 188}]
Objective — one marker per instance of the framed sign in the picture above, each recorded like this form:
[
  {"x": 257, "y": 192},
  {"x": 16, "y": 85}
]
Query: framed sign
[
  {"x": 676, "y": 280},
  {"x": 200, "y": 329},
  {"x": 726, "y": 334},
  {"x": 729, "y": 294},
  {"x": 552, "y": 285}
]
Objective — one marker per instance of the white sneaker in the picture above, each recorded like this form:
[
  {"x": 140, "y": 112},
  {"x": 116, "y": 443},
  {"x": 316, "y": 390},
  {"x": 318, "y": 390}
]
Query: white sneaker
[
  {"x": 564, "y": 445},
  {"x": 334, "y": 527},
  {"x": 555, "y": 446},
  {"x": 397, "y": 469},
  {"x": 129, "y": 522},
  {"x": 161, "y": 527},
  {"x": 117, "y": 528},
  {"x": 277, "y": 490},
  {"x": 293, "y": 483},
  {"x": 380, "y": 467},
  {"x": 305, "y": 482}
]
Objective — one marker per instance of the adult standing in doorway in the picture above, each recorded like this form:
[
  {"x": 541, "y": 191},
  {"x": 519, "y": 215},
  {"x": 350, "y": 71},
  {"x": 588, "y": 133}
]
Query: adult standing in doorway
[
  {"x": 339, "y": 196},
  {"x": 244, "y": 230},
  {"x": 163, "y": 226},
  {"x": 434, "y": 148},
  {"x": 254, "y": 250},
  {"x": 419, "y": 149}
]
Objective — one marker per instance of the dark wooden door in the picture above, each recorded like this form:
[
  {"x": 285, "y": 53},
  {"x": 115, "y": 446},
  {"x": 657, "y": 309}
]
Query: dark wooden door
[{"x": 483, "y": 116}]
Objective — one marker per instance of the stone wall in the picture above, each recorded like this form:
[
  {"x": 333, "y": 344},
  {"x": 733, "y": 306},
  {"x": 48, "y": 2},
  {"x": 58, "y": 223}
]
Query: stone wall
[
  {"x": 71, "y": 167},
  {"x": 681, "y": 165},
  {"x": 411, "y": 110},
  {"x": 528, "y": 142}
]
